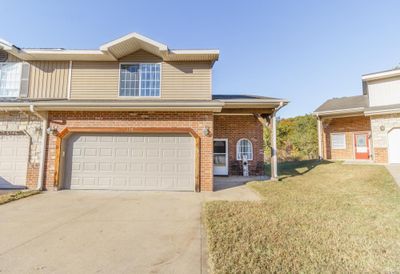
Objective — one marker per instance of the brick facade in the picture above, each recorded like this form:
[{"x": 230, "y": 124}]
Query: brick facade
[
  {"x": 194, "y": 120},
  {"x": 348, "y": 126},
  {"x": 381, "y": 125},
  {"x": 236, "y": 127},
  {"x": 31, "y": 126}
]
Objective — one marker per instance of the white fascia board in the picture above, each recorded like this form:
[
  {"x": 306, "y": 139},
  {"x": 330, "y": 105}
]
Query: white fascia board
[
  {"x": 134, "y": 35},
  {"x": 195, "y": 51},
  {"x": 381, "y": 75},
  {"x": 341, "y": 111},
  {"x": 382, "y": 112}
]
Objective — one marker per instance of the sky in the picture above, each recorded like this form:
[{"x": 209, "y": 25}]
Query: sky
[{"x": 304, "y": 51}]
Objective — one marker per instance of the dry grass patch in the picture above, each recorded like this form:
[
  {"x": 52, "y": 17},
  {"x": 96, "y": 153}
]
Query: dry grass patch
[
  {"x": 319, "y": 218},
  {"x": 13, "y": 196}
]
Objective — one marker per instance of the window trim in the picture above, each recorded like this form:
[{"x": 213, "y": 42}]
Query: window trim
[
  {"x": 20, "y": 78},
  {"x": 338, "y": 134},
  {"x": 237, "y": 149},
  {"x": 137, "y": 97}
]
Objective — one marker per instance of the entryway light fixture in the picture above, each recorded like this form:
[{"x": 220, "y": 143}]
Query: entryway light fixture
[
  {"x": 206, "y": 131},
  {"x": 52, "y": 130},
  {"x": 382, "y": 128}
]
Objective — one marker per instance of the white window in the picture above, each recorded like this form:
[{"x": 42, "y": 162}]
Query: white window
[
  {"x": 338, "y": 140},
  {"x": 244, "y": 147},
  {"x": 140, "y": 80},
  {"x": 10, "y": 79}
]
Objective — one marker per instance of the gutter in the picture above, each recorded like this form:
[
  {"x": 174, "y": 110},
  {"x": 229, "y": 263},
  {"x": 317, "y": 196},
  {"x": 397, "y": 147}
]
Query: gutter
[
  {"x": 40, "y": 182},
  {"x": 340, "y": 111}
]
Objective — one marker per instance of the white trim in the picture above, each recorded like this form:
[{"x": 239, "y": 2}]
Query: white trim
[
  {"x": 160, "y": 46},
  {"x": 69, "y": 80},
  {"x": 226, "y": 154},
  {"x": 237, "y": 149},
  {"x": 140, "y": 82},
  {"x": 339, "y": 111},
  {"x": 386, "y": 111},
  {"x": 338, "y": 134},
  {"x": 381, "y": 75}
]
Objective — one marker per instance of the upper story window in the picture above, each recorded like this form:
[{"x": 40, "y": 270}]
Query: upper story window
[
  {"x": 140, "y": 80},
  {"x": 10, "y": 79}
]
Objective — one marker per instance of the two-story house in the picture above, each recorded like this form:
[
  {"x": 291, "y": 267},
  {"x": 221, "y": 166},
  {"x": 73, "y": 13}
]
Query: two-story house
[
  {"x": 364, "y": 127},
  {"x": 131, "y": 115}
]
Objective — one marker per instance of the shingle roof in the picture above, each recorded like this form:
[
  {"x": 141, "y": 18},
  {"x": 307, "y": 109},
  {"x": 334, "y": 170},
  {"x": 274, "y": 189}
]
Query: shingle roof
[
  {"x": 239, "y": 96},
  {"x": 344, "y": 103}
]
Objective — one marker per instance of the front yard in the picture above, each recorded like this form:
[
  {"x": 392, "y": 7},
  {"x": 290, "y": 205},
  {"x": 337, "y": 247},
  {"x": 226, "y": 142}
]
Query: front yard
[{"x": 326, "y": 217}]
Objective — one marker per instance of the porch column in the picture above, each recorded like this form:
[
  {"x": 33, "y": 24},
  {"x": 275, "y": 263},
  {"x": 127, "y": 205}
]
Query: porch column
[
  {"x": 274, "y": 158},
  {"x": 320, "y": 153}
]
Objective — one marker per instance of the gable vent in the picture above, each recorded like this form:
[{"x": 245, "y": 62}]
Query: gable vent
[{"x": 3, "y": 56}]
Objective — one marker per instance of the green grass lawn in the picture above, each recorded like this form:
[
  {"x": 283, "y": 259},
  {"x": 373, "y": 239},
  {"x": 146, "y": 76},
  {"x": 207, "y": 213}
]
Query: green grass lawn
[{"x": 321, "y": 217}]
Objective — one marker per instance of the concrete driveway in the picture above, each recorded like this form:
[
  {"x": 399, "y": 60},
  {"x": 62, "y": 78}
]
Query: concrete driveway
[{"x": 106, "y": 232}]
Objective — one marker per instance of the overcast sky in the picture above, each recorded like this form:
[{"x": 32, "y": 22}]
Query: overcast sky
[{"x": 304, "y": 51}]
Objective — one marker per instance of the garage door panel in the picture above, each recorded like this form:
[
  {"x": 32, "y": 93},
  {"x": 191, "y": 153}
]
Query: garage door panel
[
  {"x": 14, "y": 157},
  {"x": 130, "y": 161},
  {"x": 394, "y": 146}
]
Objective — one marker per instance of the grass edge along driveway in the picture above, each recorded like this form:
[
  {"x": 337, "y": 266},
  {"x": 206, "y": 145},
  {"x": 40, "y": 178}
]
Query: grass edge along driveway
[{"x": 321, "y": 217}]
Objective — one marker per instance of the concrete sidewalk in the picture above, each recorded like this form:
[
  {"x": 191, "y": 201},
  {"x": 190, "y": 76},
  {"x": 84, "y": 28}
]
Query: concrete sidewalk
[{"x": 394, "y": 170}]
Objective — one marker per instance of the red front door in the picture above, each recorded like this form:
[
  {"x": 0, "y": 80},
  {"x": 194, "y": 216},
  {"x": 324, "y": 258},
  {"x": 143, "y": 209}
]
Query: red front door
[{"x": 361, "y": 146}]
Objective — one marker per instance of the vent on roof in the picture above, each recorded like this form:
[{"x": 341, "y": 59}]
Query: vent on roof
[{"x": 3, "y": 56}]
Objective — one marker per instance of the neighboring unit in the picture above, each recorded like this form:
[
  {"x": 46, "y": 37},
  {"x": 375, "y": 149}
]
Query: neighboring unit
[
  {"x": 132, "y": 115},
  {"x": 365, "y": 127}
]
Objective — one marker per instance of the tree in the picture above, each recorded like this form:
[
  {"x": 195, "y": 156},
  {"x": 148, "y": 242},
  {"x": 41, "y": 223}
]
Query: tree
[{"x": 297, "y": 138}]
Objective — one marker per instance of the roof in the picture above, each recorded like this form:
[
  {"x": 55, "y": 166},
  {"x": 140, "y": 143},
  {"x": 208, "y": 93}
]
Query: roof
[
  {"x": 249, "y": 101},
  {"x": 216, "y": 104},
  {"x": 241, "y": 97},
  {"x": 112, "y": 51},
  {"x": 350, "y": 104}
]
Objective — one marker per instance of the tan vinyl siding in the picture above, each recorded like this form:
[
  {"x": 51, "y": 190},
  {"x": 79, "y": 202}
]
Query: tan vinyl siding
[
  {"x": 186, "y": 80},
  {"x": 48, "y": 79},
  {"x": 94, "y": 80},
  {"x": 141, "y": 56},
  {"x": 179, "y": 80},
  {"x": 12, "y": 58}
]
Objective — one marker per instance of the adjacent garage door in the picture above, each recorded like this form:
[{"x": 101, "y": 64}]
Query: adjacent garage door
[
  {"x": 130, "y": 162},
  {"x": 394, "y": 145},
  {"x": 14, "y": 155}
]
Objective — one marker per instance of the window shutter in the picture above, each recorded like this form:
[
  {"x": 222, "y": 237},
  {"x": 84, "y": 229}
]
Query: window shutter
[{"x": 23, "y": 93}]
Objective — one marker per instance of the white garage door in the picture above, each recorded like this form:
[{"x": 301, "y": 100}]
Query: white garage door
[
  {"x": 14, "y": 155},
  {"x": 130, "y": 162},
  {"x": 394, "y": 146}
]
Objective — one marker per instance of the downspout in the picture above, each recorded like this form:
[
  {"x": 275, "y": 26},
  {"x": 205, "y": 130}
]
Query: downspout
[{"x": 40, "y": 182}]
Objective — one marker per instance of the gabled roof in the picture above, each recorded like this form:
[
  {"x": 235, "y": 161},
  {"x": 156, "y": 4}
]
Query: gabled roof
[
  {"x": 352, "y": 104},
  {"x": 112, "y": 51}
]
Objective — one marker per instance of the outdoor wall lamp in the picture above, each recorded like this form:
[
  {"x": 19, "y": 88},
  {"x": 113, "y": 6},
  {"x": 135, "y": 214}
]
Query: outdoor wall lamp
[
  {"x": 382, "y": 128},
  {"x": 206, "y": 131},
  {"x": 52, "y": 131}
]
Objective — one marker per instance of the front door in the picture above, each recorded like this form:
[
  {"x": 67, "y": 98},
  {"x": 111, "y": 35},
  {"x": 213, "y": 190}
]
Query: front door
[
  {"x": 220, "y": 157},
  {"x": 361, "y": 146}
]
